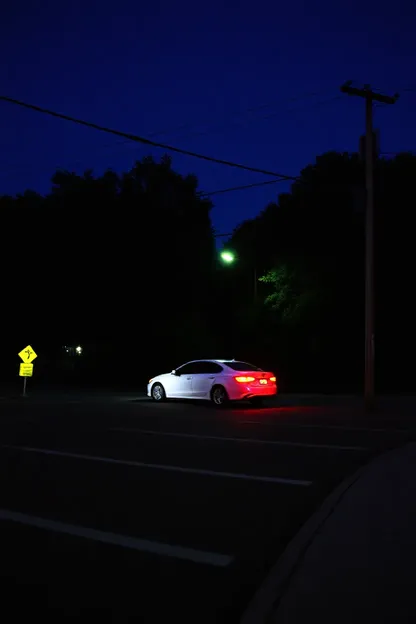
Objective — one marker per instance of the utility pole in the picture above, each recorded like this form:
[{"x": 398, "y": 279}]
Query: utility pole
[{"x": 370, "y": 97}]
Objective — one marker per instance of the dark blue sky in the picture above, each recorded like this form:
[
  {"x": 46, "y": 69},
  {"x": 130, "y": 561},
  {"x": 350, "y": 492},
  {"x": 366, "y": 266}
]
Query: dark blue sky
[{"x": 152, "y": 67}]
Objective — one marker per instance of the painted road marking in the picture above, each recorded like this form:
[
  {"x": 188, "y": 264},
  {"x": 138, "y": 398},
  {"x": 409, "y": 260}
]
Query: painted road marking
[
  {"x": 243, "y": 440},
  {"x": 125, "y": 541},
  {"x": 180, "y": 469},
  {"x": 303, "y": 426}
]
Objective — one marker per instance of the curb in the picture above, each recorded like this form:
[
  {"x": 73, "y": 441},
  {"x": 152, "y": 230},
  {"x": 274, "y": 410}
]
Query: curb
[{"x": 271, "y": 591}]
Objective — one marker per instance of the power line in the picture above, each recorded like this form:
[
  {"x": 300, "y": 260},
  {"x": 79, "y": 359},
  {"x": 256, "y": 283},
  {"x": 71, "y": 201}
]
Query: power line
[
  {"x": 401, "y": 153},
  {"x": 241, "y": 122},
  {"x": 245, "y": 122},
  {"x": 201, "y": 194},
  {"x": 241, "y": 188},
  {"x": 252, "y": 109},
  {"x": 222, "y": 235},
  {"x": 140, "y": 139},
  {"x": 18, "y": 168},
  {"x": 409, "y": 89}
]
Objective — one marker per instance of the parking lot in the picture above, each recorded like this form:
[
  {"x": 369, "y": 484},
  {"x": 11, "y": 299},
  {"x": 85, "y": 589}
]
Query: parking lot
[{"x": 112, "y": 503}]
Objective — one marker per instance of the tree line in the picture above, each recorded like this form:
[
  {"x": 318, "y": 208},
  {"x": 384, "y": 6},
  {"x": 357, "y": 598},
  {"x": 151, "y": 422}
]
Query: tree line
[{"x": 127, "y": 266}]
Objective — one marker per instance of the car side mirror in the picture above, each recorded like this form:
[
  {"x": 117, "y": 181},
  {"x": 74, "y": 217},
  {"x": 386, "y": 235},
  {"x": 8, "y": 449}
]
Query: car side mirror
[{"x": 174, "y": 372}]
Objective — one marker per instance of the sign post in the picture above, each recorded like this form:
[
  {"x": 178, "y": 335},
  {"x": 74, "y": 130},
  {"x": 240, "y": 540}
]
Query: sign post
[{"x": 26, "y": 367}]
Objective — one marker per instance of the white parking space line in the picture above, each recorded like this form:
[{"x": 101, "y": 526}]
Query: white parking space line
[
  {"x": 242, "y": 440},
  {"x": 125, "y": 541},
  {"x": 179, "y": 469},
  {"x": 322, "y": 426}
]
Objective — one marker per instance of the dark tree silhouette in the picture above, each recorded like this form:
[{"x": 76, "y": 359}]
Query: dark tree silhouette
[
  {"x": 308, "y": 248},
  {"x": 126, "y": 265},
  {"x": 120, "y": 263}
]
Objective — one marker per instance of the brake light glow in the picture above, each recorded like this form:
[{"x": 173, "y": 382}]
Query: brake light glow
[
  {"x": 272, "y": 378},
  {"x": 244, "y": 379}
]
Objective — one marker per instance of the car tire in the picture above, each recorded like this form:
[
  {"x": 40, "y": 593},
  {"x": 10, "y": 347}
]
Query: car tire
[
  {"x": 256, "y": 401},
  {"x": 219, "y": 396},
  {"x": 158, "y": 393}
]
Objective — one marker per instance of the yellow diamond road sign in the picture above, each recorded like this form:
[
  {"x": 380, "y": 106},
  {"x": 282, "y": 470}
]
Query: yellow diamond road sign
[
  {"x": 26, "y": 370},
  {"x": 27, "y": 355}
]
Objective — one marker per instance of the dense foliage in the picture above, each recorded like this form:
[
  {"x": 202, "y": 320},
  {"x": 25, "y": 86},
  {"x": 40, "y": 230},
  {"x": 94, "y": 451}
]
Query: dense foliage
[{"x": 127, "y": 266}]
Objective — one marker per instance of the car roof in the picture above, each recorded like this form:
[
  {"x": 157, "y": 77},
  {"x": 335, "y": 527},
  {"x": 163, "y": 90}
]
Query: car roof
[
  {"x": 215, "y": 361},
  {"x": 209, "y": 360}
]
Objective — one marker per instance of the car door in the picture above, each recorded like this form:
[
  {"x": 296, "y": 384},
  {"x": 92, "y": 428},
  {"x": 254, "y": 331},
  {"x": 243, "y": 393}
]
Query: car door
[
  {"x": 204, "y": 378},
  {"x": 182, "y": 381}
]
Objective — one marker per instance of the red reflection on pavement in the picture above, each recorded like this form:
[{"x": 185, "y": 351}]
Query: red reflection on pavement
[
  {"x": 276, "y": 413},
  {"x": 286, "y": 409}
]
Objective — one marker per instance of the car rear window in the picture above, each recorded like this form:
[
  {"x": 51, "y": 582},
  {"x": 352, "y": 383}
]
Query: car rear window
[{"x": 242, "y": 366}]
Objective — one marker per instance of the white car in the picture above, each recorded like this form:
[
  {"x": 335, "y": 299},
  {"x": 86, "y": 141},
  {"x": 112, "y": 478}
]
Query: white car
[{"x": 216, "y": 380}]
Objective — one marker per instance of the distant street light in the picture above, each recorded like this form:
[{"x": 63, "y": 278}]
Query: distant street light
[
  {"x": 227, "y": 256},
  {"x": 71, "y": 351}
]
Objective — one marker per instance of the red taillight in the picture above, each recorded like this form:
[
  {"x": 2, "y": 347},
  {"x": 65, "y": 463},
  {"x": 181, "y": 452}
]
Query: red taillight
[
  {"x": 273, "y": 379},
  {"x": 244, "y": 379}
]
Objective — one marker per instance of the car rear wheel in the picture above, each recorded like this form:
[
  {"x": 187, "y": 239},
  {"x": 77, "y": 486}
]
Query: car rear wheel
[
  {"x": 158, "y": 393},
  {"x": 219, "y": 396}
]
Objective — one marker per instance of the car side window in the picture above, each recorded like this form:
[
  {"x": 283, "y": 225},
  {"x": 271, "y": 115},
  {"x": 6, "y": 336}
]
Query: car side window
[
  {"x": 208, "y": 368},
  {"x": 199, "y": 368},
  {"x": 213, "y": 368},
  {"x": 187, "y": 369}
]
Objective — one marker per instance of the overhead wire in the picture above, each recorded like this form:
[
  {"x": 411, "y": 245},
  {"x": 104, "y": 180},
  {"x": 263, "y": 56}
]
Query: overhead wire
[
  {"x": 240, "y": 188},
  {"x": 401, "y": 153},
  {"x": 204, "y": 133},
  {"x": 248, "y": 110},
  {"x": 303, "y": 109},
  {"x": 245, "y": 122},
  {"x": 252, "y": 109},
  {"x": 148, "y": 141},
  {"x": 144, "y": 140},
  {"x": 18, "y": 168},
  {"x": 136, "y": 138}
]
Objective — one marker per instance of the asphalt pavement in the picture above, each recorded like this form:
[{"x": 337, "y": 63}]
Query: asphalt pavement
[{"x": 113, "y": 505}]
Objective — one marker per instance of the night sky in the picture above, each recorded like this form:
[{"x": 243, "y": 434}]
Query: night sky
[{"x": 188, "y": 73}]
